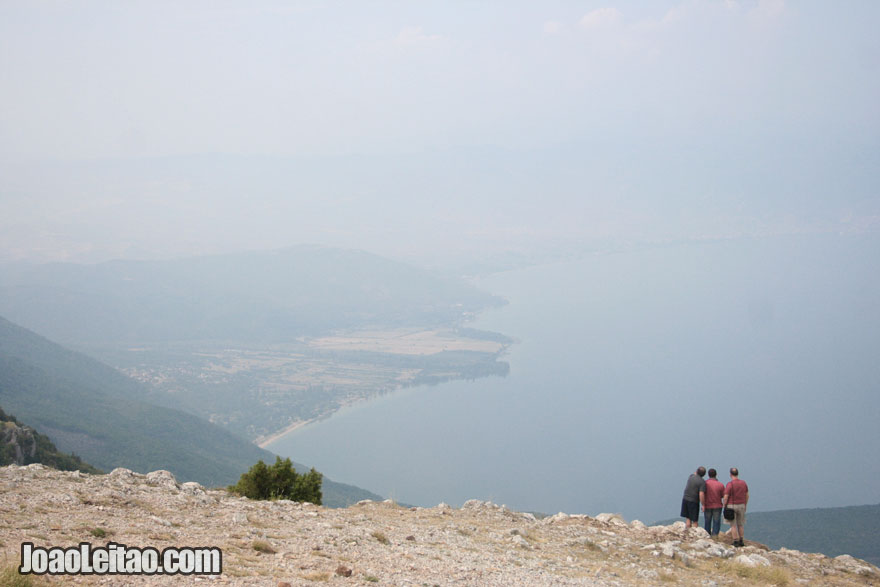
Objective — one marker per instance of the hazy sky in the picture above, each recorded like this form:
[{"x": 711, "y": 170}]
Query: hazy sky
[{"x": 156, "y": 128}]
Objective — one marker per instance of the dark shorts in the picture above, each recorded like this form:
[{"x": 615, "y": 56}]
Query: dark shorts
[{"x": 690, "y": 510}]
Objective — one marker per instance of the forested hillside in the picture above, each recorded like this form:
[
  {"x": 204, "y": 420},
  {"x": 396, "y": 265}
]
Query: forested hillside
[{"x": 90, "y": 409}]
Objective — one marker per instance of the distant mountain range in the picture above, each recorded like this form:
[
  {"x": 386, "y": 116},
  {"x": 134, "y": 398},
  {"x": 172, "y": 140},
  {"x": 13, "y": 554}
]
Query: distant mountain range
[
  {"x": 92, "y": 410},
  {"x": 269, "y": 296},
  {"x": 853, "y": 530}
]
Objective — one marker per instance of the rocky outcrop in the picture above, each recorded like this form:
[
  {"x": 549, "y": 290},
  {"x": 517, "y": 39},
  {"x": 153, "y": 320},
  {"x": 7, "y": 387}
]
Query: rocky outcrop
[
  {"x": 18, "y": 442},
  {"x": 278, "y": 542}
]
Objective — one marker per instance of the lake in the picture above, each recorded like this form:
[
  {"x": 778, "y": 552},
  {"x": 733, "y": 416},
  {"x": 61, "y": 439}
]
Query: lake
[{"x": 631, "y": 370}]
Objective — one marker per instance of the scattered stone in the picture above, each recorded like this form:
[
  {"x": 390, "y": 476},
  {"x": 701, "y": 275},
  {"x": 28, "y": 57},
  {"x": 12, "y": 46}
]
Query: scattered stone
[
  {"x": 560, "y": 517},
  {"x": 192, "y": 488},
  {"x": 751, "y": 560},
  {"x": 850, "y": 564},
  {"x": 479, "y": 544},
  {"x": 614, "y": 519},
  {"x": 162, "y": 479},
  {"x": 521, "y": 542}
]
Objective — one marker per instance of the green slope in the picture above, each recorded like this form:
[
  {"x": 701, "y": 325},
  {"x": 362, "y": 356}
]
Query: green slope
[{"x": 92, "y": 410}]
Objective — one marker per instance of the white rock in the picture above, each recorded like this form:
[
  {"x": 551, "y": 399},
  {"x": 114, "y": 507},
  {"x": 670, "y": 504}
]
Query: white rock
[
  {"x": 162, "y": 478},
  {"x": 521, "y": 542},
  {"x": 790, "y": 552},
  {"x": 751, "y": 560},
  {"x": 122, "y": 474},
  {"x": 192, "y": 488},
  {"x": 615, "y": 519},
  {"x": 561, "y": 516},
  {"x": 161, "y": 521},
  {"x": 720, "y": 552},
  {"x": 853, "y": 565}
]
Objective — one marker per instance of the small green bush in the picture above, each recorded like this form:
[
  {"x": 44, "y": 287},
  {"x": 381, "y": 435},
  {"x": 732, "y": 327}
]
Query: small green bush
[
  {"x": 263, "y": 546},
  {"x": 280, "y": 481}
]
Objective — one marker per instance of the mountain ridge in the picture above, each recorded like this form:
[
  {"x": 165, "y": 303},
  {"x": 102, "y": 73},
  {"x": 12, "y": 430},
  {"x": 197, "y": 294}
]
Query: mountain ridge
[{"x": 269, "y": 296}]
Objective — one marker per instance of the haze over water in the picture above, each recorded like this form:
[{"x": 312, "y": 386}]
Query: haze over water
[
  {"x": 452, "y": 134},
  {"x": 633, "y": 369}
]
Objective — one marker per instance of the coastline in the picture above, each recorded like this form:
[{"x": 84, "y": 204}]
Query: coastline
[
  {"x": 264, "y": 441},
  {"x": 432, "y": 342}
]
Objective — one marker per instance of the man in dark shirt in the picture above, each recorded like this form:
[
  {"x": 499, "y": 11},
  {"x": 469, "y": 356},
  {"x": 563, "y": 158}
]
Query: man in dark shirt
[{"x": 694, "y": 497}]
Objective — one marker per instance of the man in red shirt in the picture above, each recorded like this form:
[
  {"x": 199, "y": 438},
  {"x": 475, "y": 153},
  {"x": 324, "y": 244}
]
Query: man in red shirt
[
  {"x": 736, "y": 496},
  {"x": 712, "y": 506}
]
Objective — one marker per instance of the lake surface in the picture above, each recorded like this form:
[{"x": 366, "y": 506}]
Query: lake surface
[{"x": 633, "y": 369}]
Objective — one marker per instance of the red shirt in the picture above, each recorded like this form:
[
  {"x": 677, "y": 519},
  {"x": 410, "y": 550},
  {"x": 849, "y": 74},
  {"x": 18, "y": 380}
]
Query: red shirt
[
  {"x": 714, "y": 490},
  {"x": 737, "y": 490}
]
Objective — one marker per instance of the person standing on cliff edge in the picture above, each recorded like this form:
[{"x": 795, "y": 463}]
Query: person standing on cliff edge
[
  {"x": 712, "y": 507},
  {"x": 694, "y": 497},
  {"x": 736, "y": 496}
]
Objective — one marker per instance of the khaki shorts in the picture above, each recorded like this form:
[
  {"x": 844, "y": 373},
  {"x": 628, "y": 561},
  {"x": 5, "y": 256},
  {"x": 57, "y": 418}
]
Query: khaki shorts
[{"x": 740, "y": 510}]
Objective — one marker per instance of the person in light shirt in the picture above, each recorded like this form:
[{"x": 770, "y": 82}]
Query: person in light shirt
[{"x": 736, "y": 496}]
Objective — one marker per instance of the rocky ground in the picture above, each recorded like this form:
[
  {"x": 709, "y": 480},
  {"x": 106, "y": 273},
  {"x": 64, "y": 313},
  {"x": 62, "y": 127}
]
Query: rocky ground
[{"x": 273, "y": 543}]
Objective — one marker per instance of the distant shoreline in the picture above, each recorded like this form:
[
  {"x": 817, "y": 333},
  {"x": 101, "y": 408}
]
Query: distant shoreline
[
  {"x": 264, "y": 441},
  {"x": 407, "y": 342}
]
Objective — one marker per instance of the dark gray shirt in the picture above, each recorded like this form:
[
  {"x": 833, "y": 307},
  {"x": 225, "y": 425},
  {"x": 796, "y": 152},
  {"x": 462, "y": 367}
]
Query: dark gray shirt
[{"x": 693, "y": 488}]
